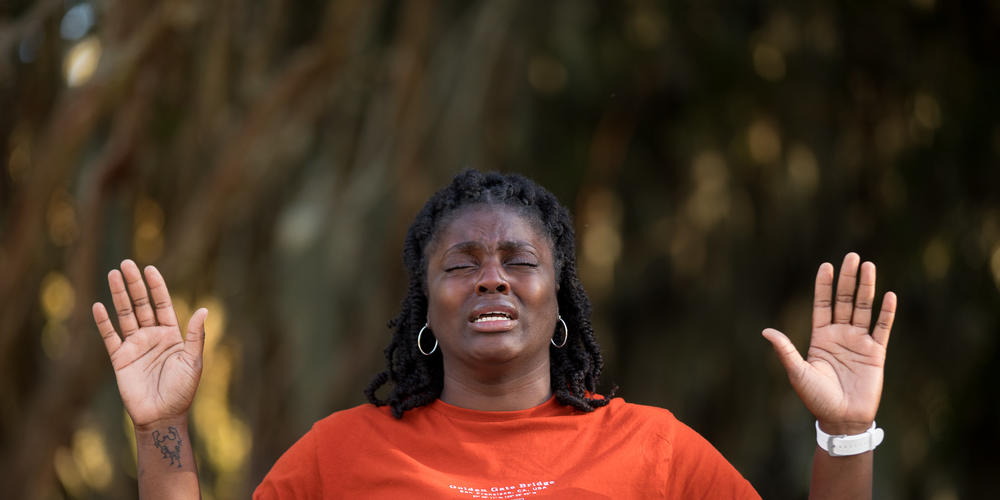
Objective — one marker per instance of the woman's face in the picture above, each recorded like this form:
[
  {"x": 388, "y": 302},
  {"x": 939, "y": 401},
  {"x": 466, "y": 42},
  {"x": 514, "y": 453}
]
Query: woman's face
[{"x": 491, "y": 291}]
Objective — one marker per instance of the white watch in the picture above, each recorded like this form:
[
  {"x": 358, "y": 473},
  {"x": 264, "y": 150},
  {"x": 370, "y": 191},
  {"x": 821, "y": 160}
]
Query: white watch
[{"x": 843, "y": 445}]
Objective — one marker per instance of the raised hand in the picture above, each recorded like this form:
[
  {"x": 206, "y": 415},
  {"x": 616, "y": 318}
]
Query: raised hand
[
  {"x": 840, "y": 381},
  {"x": 157, "y": 368}
]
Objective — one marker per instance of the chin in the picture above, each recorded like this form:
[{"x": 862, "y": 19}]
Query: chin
[{"x": 495, "y": 352}]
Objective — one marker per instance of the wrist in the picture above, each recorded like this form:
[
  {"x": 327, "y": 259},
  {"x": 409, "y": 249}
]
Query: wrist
[
  {"x": 851, "y": 444},
  {"x": 179, "y": 422},
  {"x": 844, "y": 428}
]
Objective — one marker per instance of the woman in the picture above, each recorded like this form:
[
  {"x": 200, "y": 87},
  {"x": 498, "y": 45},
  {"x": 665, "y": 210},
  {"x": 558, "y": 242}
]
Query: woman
[{"x": 493, "y": 367}]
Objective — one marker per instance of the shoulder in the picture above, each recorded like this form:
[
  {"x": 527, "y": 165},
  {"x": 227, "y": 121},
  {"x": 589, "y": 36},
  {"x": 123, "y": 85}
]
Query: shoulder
[
  {"x": 620, "y": 413},
  {"x": 339, "y": 423},
  {"x": 366, "y": 413},
  {"x": 353, "y": 424},
  {"x": 299, "y": 472},
  {"x": 696, "y": 468},
  {"x": 657, "y": 423}
]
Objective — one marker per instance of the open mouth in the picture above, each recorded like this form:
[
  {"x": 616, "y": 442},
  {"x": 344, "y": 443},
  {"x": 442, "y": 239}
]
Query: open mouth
[{"x": 492, "y": 316}]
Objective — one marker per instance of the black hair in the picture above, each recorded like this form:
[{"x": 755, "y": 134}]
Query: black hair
[{"x": 417, "y": 379}]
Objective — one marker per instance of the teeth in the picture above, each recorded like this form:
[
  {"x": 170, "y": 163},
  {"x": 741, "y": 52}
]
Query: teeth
[{"x": 492, "y": 317}]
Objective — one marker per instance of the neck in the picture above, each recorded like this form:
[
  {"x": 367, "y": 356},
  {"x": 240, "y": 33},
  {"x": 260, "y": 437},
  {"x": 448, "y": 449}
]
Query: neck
[{"x": 525, "y": 390}]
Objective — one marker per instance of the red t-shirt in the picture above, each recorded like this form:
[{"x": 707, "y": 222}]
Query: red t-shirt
[{"x": 619, "y": 451}]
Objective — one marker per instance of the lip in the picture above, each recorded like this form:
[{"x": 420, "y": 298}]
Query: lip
[{"x": 493, "y": 326}]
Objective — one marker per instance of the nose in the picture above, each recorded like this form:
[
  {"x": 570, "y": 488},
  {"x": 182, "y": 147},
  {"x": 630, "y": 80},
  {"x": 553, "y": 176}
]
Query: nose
[{"x": 492, "y": 280}]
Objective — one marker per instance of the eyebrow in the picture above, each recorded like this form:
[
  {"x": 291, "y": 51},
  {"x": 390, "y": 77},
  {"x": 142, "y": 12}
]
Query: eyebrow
[{"x": 507, "y": 246}]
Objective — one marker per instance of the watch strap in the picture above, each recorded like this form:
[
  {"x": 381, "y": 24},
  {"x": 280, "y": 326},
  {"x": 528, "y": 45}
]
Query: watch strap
[{"x": 843, "y": 445}]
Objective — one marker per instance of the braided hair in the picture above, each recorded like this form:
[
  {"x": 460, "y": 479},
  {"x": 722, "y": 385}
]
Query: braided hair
[{"x": 417, "y": 379}]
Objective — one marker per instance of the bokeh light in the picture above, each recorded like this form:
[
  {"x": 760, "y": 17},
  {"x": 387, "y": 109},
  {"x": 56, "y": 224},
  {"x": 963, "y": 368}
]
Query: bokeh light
[
  {"x": 601, "y": 241},
  {"x": 57, "y": 296},
  {"x": 769, "y": 62},
  {"x": 764, "y": 141},
  {"x": 77, "y": 21},
  {"x": 81, "y": 61},
  {"x": 148, "y": 231},
  {"x": 803, "y": 169},
  {"x": 90, "y": 454},
  {"x": 60, "y": 219}
]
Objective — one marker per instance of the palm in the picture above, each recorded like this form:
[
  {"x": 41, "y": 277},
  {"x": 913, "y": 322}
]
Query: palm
[
  {"x": 156, "y": 377},
  {"x": 157, "y": 369},
  {"x": 840, "y": 381}
]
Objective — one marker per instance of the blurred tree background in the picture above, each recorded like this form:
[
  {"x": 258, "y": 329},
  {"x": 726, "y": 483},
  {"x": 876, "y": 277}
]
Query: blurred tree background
[{"x": 269, "y": 155}]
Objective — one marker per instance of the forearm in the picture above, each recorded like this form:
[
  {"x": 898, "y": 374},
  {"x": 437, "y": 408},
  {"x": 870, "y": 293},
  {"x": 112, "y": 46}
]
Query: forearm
[
  {"x": 166, "y": 461},
  {"x": 841, "y": 477}
]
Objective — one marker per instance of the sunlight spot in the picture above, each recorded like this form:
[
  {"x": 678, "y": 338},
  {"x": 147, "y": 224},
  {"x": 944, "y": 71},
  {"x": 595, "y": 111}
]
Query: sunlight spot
[
  {"x": 601, "y": 239},
  {"x": 68, "y": 473},
  {"x": 937, "y": 259},
  {"x": 769, "y": 62},
  {"x": 822, "y": 32},
  {"x": 91, "y": 457},
  {"x": 60, "y": 218},
  {"x": 890, "y": 135},
  {"x": 57, "y": 296},
  {"x": 645, "y": 26},
  {"x": 945, "y": 493},
  {"x": 81, "y": 61},
  {"x": 19, "y": 159},
  {"x": 764, "y": 141},
  {"x": 803, "y": 170},
  {"x": 54, "y": 338},
  {"x": 215, "y": 324},
  {"x": 927, "y": 111},
  {"x": 783, "y": 30},
  {"x": 708, "y": 202},
  {"x": 147, "y": 236}
]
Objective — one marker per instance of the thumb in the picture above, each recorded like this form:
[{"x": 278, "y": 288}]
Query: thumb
[
  {"x": 194, "y": 341},
  {"x": 787, "y": 354}
]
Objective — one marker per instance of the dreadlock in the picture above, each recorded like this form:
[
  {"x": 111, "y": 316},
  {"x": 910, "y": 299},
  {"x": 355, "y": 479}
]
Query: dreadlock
[{"x": 417, "y": 379}]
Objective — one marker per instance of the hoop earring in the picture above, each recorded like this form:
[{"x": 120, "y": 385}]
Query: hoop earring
[
  {"x": 565, "y": 337},
  {"x": 421, "y": 349}
]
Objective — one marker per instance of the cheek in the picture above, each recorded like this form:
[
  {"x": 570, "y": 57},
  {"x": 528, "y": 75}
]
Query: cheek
[
  {"x": 443, "y": 302},
  {"x": 542, "y": 294}
]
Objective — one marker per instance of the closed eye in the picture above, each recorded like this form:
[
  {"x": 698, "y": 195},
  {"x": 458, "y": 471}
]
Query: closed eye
[{"x": 523, "y": 264}]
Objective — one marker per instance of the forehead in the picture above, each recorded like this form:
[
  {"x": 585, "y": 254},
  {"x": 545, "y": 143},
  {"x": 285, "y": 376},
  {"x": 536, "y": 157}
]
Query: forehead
[{"x": 490, "y": 224}]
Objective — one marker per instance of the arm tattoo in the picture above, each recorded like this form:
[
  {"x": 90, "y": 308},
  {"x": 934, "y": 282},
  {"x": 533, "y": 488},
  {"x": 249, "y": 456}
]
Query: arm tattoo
[{"x": 169, "y": 445}]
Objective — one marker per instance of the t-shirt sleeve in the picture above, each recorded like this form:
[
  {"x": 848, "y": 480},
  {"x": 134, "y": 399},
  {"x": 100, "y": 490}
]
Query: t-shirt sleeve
[
  {"x": 700, "y": 471},
  {"x": 295, "y": 475}
]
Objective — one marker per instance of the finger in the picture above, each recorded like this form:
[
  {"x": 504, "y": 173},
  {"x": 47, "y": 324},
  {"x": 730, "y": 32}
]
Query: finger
[
  {"x": 111, "y": 340},
  {"x": 790, "y": 358},
  {"x": 161, "y": 297},
  {"x": 194, "y": 341},
  {"x": 885, "y": 317},
  {"x": 866, "y": 297},
  {"x": 823, "y": 296},
  {"x": 123, "y": 306},
  {"x": 845, "y": 289},
  {"x": 137, "y": 289}
]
